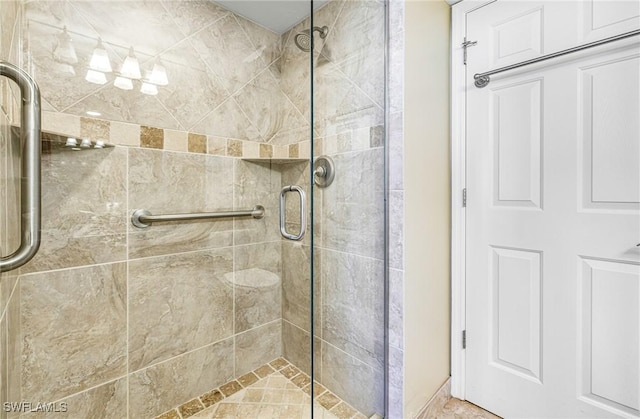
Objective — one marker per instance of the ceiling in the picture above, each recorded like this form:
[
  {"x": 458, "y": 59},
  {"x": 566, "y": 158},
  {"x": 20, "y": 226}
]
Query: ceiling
[{"x": 276, "y": 15}]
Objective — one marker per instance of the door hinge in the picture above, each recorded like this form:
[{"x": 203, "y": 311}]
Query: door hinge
[
  {"x": 466, "y": 44},
  {"x": 464, "y": 339},
  {"x": 464, "y": 197}
]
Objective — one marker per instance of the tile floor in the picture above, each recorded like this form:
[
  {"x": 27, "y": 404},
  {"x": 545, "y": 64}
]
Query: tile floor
[
  {"x": 459, "y": 409},
  {"x": 276, "y": 390}
]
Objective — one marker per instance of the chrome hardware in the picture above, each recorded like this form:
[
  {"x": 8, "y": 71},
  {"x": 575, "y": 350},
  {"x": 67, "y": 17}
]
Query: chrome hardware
[
  {"x": 482, "y": 79},
  {"x": 142, "y": 218},
  {"x": 324, "y": 171},
  {"x": 30, "y": 184},
  {"x": 283, "y": 210},
  {"x": 466, "y": 44}
]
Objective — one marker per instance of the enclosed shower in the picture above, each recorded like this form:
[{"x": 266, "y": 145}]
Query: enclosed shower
[{"x": 213, "y": 224}]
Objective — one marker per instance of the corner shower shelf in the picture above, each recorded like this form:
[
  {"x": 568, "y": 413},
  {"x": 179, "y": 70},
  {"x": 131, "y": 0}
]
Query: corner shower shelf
[{"x": 275, "y": 160}]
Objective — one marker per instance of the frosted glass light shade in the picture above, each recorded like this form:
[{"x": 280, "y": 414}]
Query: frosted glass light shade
[
  {"x": 123, "y": 83},
  {"x": 149, "y": 89},
  {"x": 100, "y": 59},
  {"x": 96, "y": 77},
  {"x": 64, "y": 51},
  {"x": 130, "y": 67},
  {"x": 158, "y": 75}
]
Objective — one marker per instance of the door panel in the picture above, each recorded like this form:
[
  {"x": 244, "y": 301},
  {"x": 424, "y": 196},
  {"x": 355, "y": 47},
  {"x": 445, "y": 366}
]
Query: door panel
[{"x": 553, "y": 184}]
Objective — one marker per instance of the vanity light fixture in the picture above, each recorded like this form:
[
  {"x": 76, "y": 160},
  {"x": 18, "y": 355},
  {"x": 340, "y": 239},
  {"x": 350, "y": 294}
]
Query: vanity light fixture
[
  {"x": 64, "y": 52},
  {"x": 96, "y": 77},
  {"x": 130, "y": 67},
  {"x": 158, "y": 75},
  {"x": 123, "y": 83},
  {"x": 149, "y": 89},
  {"x": 100, "y": 59}
]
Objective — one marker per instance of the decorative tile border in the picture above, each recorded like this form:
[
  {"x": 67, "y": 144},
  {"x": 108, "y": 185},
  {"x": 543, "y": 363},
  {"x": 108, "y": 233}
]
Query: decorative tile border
[
  {"x": 325, "y": 398},
  {"x": 132, "y": 135}
]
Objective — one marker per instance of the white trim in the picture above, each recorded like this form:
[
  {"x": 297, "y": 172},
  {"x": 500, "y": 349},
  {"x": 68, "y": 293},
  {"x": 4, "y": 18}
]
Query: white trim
[{"x": 458, "y": 183}]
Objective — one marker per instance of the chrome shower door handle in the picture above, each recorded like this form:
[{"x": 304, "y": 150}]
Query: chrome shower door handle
[
  {"x": 303, "y": 217},
  {"x": 30, "y": 179}
]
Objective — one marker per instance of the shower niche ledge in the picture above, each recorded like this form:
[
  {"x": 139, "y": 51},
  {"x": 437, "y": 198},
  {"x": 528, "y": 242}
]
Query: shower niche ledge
[{"x": 275, "y": 160}]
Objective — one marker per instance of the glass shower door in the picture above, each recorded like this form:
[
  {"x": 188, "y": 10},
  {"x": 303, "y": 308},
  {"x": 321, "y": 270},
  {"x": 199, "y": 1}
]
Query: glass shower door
[{"x": 188, "y": 108}]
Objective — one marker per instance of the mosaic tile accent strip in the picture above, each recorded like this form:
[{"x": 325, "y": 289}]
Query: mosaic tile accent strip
[
  {"x": 276, "y": 389},
  {"x": 132, "y": 135}
]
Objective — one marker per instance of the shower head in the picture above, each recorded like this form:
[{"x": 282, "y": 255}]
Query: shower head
[{"x": 303, "y": 39}]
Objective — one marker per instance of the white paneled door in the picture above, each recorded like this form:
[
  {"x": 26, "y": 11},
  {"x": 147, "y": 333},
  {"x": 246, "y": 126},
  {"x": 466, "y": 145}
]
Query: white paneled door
[{"x": 553, "y": 212}]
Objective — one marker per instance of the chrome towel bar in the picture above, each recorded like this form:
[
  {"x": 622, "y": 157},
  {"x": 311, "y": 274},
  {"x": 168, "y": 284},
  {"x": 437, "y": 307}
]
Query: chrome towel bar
[
  {"x": 142, "y": 218},
  {"x": 483, "y": 79},
  {"x": 30, "y": 205}
]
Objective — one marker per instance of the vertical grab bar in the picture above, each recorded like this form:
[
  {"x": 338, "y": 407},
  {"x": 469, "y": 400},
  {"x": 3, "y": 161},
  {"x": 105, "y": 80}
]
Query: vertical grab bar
[
  {"x": 303, "y": 217},
  {"x": 30, "y": 180}
]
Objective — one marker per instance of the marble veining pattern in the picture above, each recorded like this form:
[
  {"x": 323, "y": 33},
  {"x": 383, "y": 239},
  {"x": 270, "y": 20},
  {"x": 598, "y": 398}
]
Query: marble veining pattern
[
  {"x": 177, "y": 303},
  {"x": 73, "y": 330}
]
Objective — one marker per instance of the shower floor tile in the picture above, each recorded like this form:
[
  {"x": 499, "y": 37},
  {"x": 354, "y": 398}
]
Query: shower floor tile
[
  {"x": 272, "y": 397},
  {"x": 276, "y": 390}
]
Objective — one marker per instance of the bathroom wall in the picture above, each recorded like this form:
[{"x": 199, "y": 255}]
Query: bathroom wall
[
  {"x": 118, "y": 321},
  {"x": 349, "y": 214},
  {"x": 9, "y": 195},
  {"x": 115, "y": 319},
  {"x": 427, "y": 198}
]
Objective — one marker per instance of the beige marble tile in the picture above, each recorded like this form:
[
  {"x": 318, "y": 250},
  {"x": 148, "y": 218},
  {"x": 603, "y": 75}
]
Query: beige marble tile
[
  {"x": 297, "y": 348},
  {"x": 257, "y": 347},
  {"x": 458, "y": 409},
  {"x": 296, "y": 286},
  {"x": 125, "y": 106},
  {"x": 266, "y": 42},
  {"x": 257, "y": 294},
  {"x": 190, "y": 408},
  {"x": 256, "y": 184},
  {"x": 345, "y": 202},
  {"x": 228, "y": 121},
  {"x": 192, "y": 307},
  {"x": 436, "y": 404},
  {"x": 263, "y": 103},
  {"x": 234, "y": 148},
  {"x": 197, "y": 143},
  {"x": 83, "y": 209},
  {"x": 225, "y": 38},
  {"x": 194, "y": 89},
  {"x": 250, "y": 149},
  {"x": 155, "y": 390},
  {"x": 94, "y": 129},
  {"x": 217, "y": 146},
  {"x": 73, "y": 330},
  {"x": 353, "y": 289},
  {"x": 167, "y": 183},
  {"x": 61, "y": 123},
  {"x": 192, "y": 16},
  {"x": 124, "y": 134},
  {"x": 151, "y": 137},
  {"x": 175, "y": 140},
  {"x": 145, "y": 24},
  {"x": 266, "y": 150},
  {"x": 108, "y": 401},
  {"x": 352, "y": 380}
]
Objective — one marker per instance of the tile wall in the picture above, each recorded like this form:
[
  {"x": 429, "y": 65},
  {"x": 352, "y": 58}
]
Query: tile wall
[{"x": 108, "y": 317}]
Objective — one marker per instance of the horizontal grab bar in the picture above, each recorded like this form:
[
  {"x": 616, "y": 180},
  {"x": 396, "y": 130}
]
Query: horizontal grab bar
[{"x": 142, "y": 218}]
